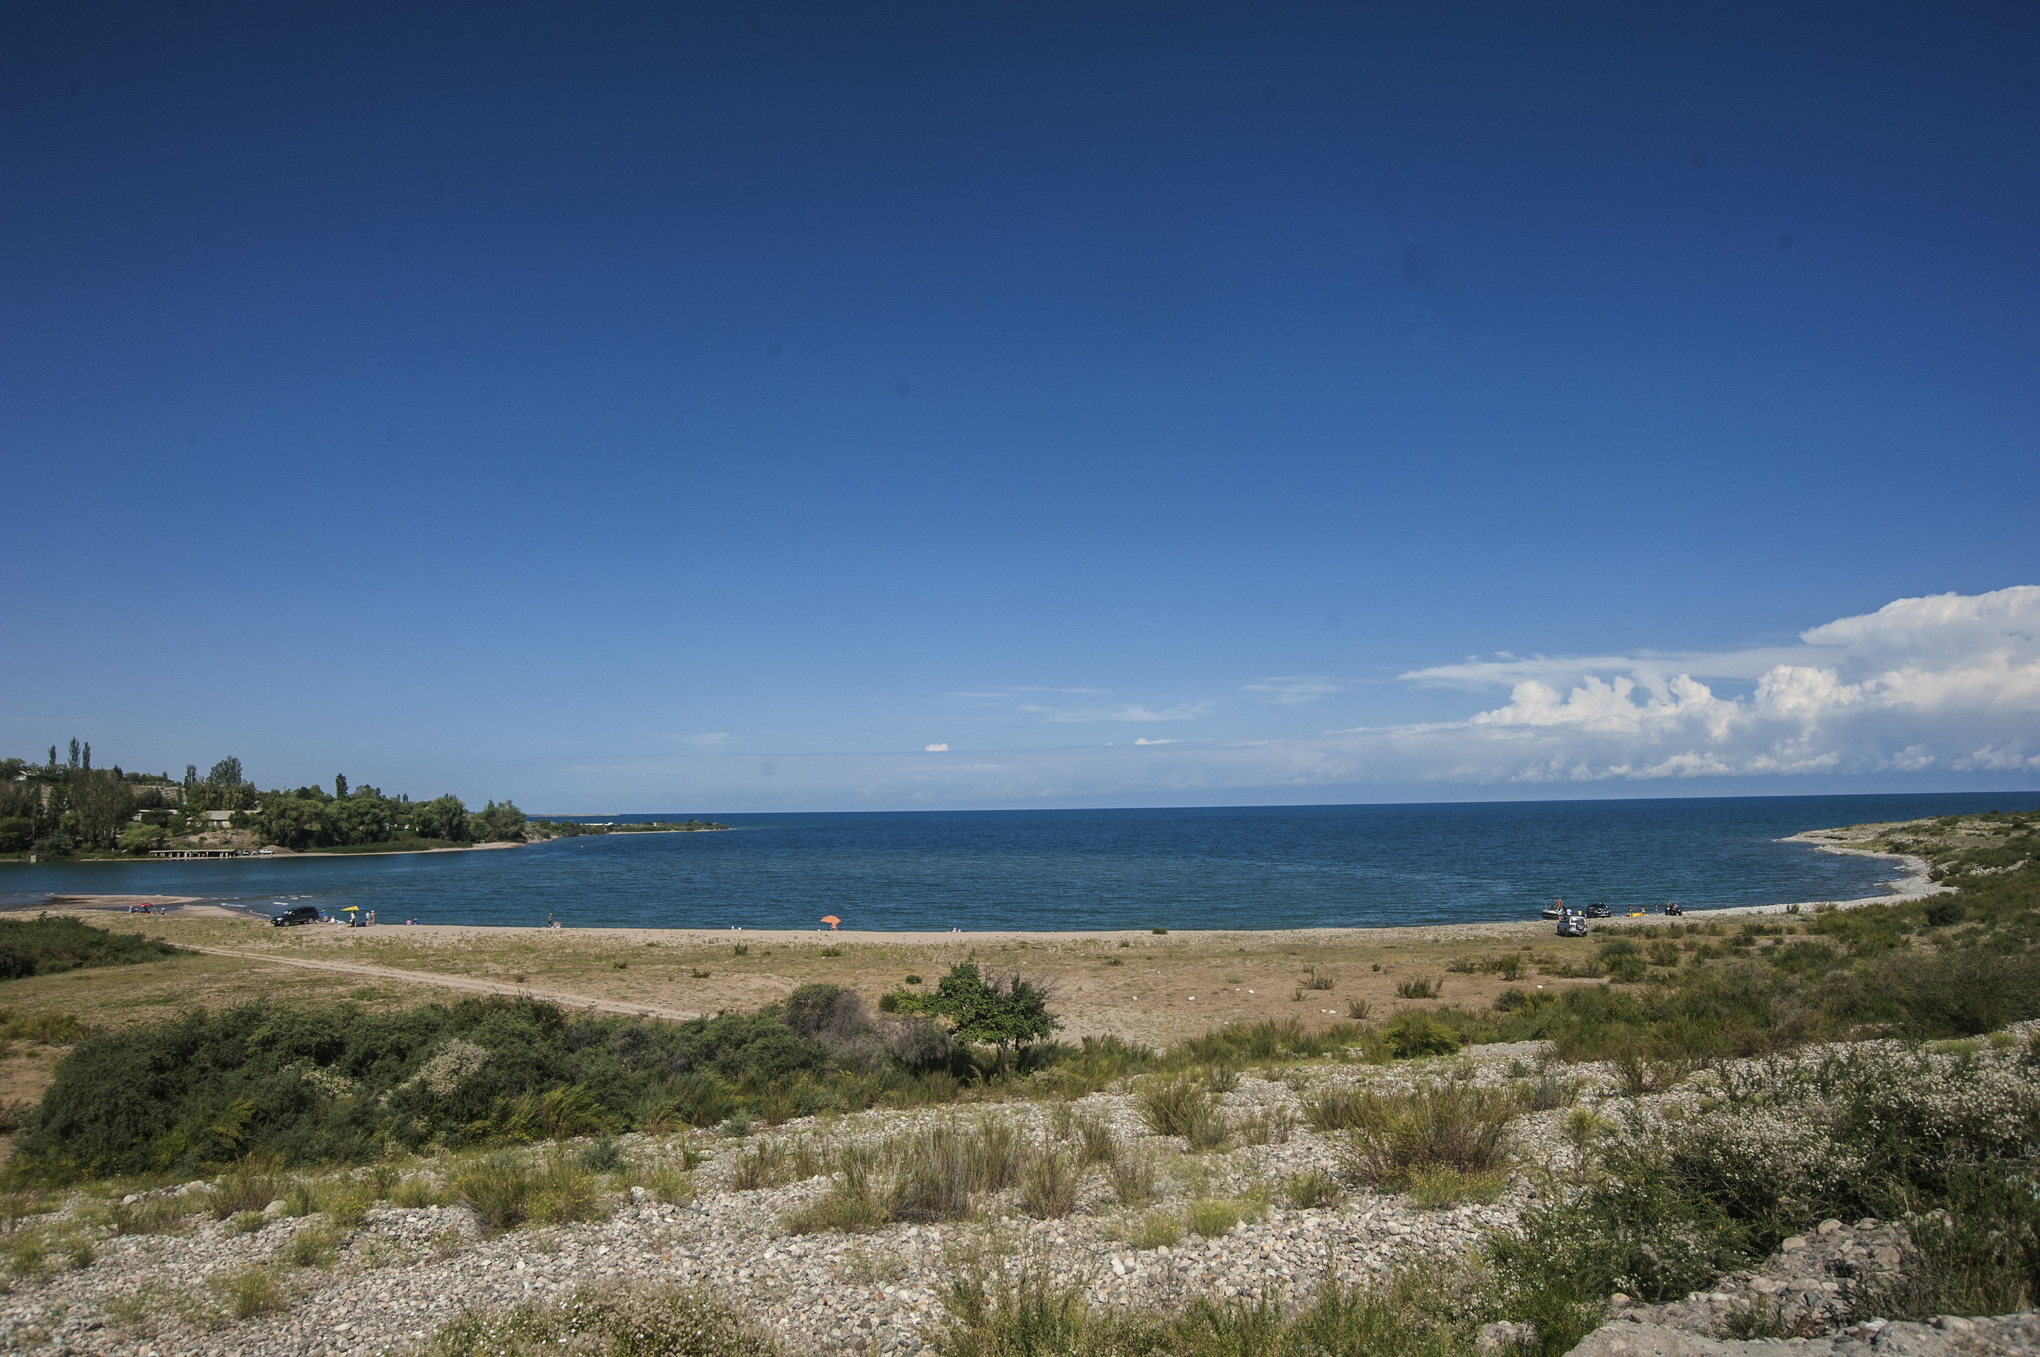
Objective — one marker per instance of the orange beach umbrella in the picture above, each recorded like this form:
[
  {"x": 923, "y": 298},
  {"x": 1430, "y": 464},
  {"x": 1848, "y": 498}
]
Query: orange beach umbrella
[{"x": 831, "y": 920}]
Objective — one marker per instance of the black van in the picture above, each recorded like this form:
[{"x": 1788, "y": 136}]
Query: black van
[{"x": 303, "y": 914}]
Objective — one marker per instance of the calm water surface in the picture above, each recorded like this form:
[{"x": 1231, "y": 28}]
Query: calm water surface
[{"x": 1250, "y": 867}]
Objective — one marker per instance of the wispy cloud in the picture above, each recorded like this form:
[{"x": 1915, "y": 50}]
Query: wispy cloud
[
  {"x": 936, "y": 749},
  {"x": 1132, "y": 711},
  {"x": 1295, "y": 691},
  {"x": 715, "y": 739}
]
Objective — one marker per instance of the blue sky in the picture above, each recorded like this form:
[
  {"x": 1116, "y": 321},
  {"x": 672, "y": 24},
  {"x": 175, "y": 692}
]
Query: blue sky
[{"x": 604, "y": 405}]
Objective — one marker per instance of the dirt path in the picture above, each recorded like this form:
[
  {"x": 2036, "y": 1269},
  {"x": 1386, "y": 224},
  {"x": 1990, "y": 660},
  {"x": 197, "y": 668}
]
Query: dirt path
[{"x": 578, "y": 1001}]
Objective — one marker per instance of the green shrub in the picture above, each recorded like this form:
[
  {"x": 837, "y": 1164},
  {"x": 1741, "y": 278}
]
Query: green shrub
[
  {"x": 1627, "y": 969},
  {"x": 312, "y": 1246},
  {"x": 1208, "y": 1130},
  {"x": 250, "y": 1293},
  {"x": 1547, "y": 1092},
  {"x": 1784, "y": 1143},
  {"x": 1264, "y": 1042},
  {"x": 1264, "y": 1126},
  {"x": 601, "y": 1157},
  {"x": 1414, "y": 1033},
  {"x": 1432, "y": 1312},
  {"x": 250, "y": 1186},
  {"x": 1213, "y": 1218},
  {"x": 853, "y": 1204},
  {"x": 417, "y": 1191},
  {"x": 1306, "y": 1191},
  {"x": 1095, "y": 1142},
  {"x": 1453, "y": 1126},
  {"x": 47, "y": 1028},
  {"x": 1979, "y": 1255},
  {"x": 1133, "y": 1179},
  {"x": 1419, "y": 988},
  {"x": 1156, "y": 1230},
  {"x": 1435, "y": 1188},
  {"x": 153, "y": 1216},
  {"x": 629, "y": 1320},
  {"x": 938, "y": 1173},
  {"x": 505, "y": 1192},
  {"x": 773, "y": 1163},
  {"x": 332, "y": 1083},
  {"x": 1049, "y": 1186},
  {"x": 1335, "y": 1109},
  {"x": 48, "y": 944},
  {"x": 1171, "y": 1107},
  {"x": 843, "y": 1212}
]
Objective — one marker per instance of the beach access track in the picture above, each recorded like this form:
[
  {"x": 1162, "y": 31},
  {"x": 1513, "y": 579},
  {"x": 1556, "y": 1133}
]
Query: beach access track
[{"x": 460, "y": 982}]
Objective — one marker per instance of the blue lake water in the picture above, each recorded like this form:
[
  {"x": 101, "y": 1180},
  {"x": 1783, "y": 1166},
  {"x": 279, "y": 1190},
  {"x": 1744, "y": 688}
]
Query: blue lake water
[{"x": 1248, "y": 867}]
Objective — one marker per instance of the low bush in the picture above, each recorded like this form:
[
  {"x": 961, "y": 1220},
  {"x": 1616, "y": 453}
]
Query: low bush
[
  {"x": 1049, "y": 1186},
  {"x": 250, "y": 1186},
  {"x": 249, "y": 1293},
  {"x": 48, "y": 944},
  {"x": 1335, "y": 1109},
  {"x": 1173, "y": 1106},
  {"x": 629, "y": 1320},
  {"x": 505, "y": 1192},
  {"x": 1095, "y": 1142},
  {"x": 312, "y": 1246},
  {"x": 1156, "y": 1230},
  {"x": 1414, "y": 1033},
  {"x": 153, "y": 1216},
  {"x": 1429, "y": 1312},
  {"x": 333, "y": 1083},
  {"x": 1306, "y": 1191},
  {"x": 1437, "y": 1188},
  {"x": 1448, "y": 1126},
  {"x": 1264, "y": 1126},
  {"x": 774, "y": 1163},
  {"x": 1133, "y": 1179},
  {"x": 939, "y": 1173},
  {"x": 1784, "y": 1143}
]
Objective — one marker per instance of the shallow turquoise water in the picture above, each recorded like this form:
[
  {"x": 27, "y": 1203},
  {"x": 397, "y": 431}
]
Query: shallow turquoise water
[{"x": 1250, "y": 867}]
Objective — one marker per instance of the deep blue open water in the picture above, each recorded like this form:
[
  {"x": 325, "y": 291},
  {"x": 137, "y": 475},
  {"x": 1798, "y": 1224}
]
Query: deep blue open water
[{"x": 1249, "y": 867}]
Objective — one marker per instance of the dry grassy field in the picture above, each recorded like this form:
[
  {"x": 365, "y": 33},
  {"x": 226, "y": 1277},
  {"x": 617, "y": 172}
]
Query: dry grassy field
[{"x": 1145, "y": 987}]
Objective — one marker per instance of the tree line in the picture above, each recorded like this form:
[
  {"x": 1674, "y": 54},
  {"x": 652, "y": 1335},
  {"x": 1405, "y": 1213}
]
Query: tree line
[{"x": 60, "y": 806}]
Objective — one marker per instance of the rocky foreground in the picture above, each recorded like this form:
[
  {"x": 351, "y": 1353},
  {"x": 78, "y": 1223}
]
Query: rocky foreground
[{"x": 393, "y": 1279}]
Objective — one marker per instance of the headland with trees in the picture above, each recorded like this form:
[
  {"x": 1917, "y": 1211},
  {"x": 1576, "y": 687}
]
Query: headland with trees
[{"x": 63, "y": 807}]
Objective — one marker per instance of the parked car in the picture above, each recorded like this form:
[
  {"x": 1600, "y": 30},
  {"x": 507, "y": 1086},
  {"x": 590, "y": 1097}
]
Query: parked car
[
  {"x": 302, "y": 914},
  {"x": 1572, "y": 925},
  {"x": 1597, "y": 911}
]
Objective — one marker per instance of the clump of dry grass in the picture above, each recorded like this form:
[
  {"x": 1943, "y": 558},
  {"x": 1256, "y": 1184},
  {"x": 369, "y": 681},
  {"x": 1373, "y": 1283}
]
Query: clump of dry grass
[
  {"x": 630, "y": 1319},
  {"x": 1395, "y": 1137}
]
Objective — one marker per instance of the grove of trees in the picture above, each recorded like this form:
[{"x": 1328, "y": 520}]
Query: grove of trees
[{"x": 61, "y": 806}]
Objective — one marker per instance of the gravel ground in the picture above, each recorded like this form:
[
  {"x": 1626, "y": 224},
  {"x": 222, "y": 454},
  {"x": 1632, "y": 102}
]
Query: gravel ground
[{"x": 404, "y": 1272}]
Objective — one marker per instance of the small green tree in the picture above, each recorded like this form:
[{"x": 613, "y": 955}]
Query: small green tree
[
  {"x": 1002, "y": 1011},
  {"x": 142, "y": 838}
]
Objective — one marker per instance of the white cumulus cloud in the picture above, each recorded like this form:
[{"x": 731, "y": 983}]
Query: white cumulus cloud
[{"x": 1919, "y": 683}]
